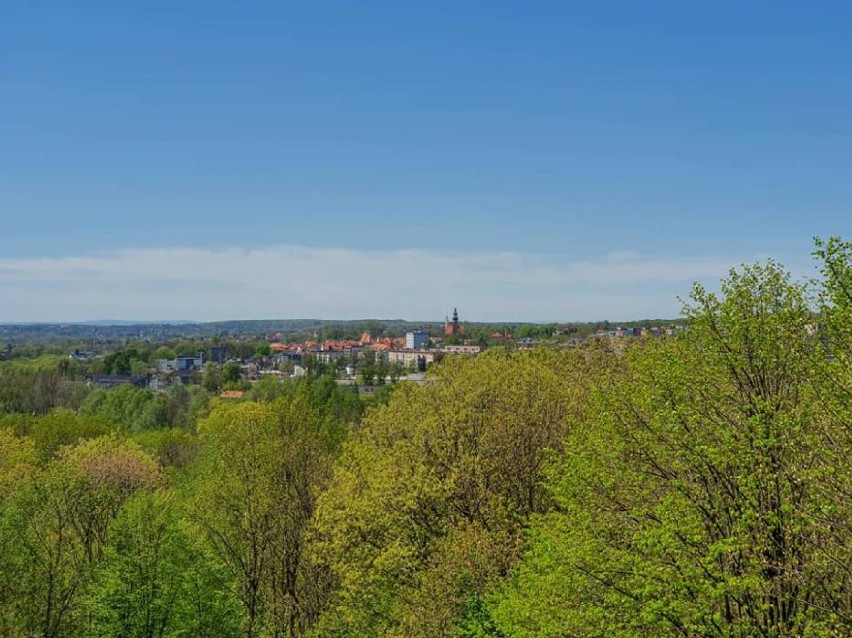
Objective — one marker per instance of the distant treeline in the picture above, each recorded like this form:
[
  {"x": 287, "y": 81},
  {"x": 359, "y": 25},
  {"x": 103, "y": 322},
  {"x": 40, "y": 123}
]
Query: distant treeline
[{"x": 18, "y": 341}]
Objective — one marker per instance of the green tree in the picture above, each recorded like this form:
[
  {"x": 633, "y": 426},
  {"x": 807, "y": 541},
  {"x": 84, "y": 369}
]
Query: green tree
[
  {"x": 61, "y": 428},
  {"x": 210, "y": 378},
  {"x": 163, "y": 352},
  {"x": 155, "y": 581},
  {"x": 427, "y": 503},
  {"x": 231, "y": 373},
  {"x": 133, "y": 408},
  {"x": 173, "y": 448},
  {"x": 38, "y": 389},
  {"x": 18, "y": 460},
  {"x": 707, "y": 493},
  {"x": 261, "y": 350},
  {"x": 368, "y": 374},
  {"x": 61, "y": 517},
  {"x": 262, "y": 465},
  {"x": 117, "y": 363}
]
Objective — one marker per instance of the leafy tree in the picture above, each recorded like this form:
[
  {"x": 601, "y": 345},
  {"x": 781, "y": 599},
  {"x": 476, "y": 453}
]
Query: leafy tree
[
  {"x": 133, "y": 408},
  {"x": 155, "y": 581},
  {"x": 368, "y": 374},
  {"x": 338, "y": 403},
  {"x": 61, "y": 518},
  {"x": 240, "y": 483},
  {"x": 707, "y": 494},
  {"x": 426, "y": 506},
  {"x": 262, "y": 465},
  {"x": 61, "y": 428},
  {"x": 139, "y": 409},
  {"x": 163, "y": 352},
  {"x": 48, "y": 554},
  {"x": 231, "y": 373},
  {"x": 185, "y": 404},
  {"x": 834, "y": 360},
  {"x": 268, "y": 389},
  {"x": 138, "y": 367},
  {"x": 18, "y": 460},
  {"x": 111, "y": 470},
  {"x": 38, "y": 388},
  {"x": 261, "y": 350},
  {"x": 173, "y": 448},
  {"x": 117, "y": 363},
  {"x": 210, "y": 378}
]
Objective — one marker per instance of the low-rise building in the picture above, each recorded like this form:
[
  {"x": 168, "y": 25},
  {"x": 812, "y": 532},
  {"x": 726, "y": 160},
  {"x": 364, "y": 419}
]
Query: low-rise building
[
  {"x": 328, "y": 356},
  {"x": 417, "y": 359},
  {"x": 217, "y": 354},
  {"x": 189, "y": 363},
  {"x": 109, "y": 381},
  {"x": 166, "y": 365},
  {"x": 460, "y": 349}
]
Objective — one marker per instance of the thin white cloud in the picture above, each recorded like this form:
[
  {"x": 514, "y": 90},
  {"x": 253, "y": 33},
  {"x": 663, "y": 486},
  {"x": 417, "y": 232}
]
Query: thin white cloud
[{"x": 293, "y": 281}]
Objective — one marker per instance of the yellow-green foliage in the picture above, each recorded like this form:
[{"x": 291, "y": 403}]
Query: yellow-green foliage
[
  {"x": 18, "y": 460},
  {"x": 434, "y": 483},
  {"x": 708, "y": 494},
  {"x": 692, "y": 487},
  {"x": 262, "y": 465}
]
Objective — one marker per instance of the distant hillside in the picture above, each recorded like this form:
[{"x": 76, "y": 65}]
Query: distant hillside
[
  {"x": 108, "y": 331},
  {"x": 117, "y": 331}
]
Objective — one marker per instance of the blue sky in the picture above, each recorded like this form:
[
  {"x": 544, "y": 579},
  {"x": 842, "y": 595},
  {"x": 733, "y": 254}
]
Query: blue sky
[{"x": 523, "y": 161}]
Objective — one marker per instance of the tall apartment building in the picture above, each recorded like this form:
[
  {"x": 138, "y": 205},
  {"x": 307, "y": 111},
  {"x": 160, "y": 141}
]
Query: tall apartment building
[{"x": 416, "y": 340}]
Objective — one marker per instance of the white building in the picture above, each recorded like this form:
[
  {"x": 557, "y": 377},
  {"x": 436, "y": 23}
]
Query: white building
[
  {"x": 418, "y": 360},
  {"x": 460, "y": 349}
]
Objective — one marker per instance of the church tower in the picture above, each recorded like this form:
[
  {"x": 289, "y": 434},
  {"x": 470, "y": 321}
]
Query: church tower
[{"x": 452, "y": 328}]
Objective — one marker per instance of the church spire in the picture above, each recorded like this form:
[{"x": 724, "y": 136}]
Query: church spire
[{"x": 453, "y": 327}]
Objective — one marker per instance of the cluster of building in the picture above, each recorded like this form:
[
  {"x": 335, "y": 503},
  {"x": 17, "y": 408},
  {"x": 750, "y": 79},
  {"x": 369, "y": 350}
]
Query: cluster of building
[
  {"x": 416, "y": 351},
  {"x": 653, "y": 331}
]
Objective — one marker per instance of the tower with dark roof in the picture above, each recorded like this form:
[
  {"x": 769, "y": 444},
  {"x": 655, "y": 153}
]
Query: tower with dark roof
[{"x": 452, "y": 328}]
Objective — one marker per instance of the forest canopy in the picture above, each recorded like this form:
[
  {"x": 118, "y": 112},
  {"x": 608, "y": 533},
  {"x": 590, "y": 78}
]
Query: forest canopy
[{"x": 692, "y": 485}]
